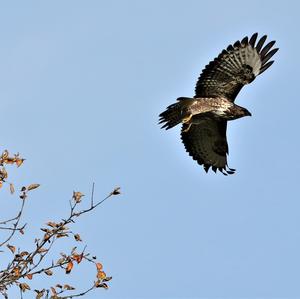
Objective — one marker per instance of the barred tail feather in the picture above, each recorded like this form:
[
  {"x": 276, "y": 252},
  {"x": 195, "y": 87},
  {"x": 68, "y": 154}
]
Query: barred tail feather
[{"x": 174, "y": 113}]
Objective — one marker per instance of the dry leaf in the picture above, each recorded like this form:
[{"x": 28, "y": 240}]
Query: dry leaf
[
  {"x": 69, "y": 267},
  {"x": 11, "y": 248},
  {"x": 98, "y": 284},
  {"x": 53, "y": 291},
  {"x": 40, "y": 294},
  {"x": 99, "y": 266},
  {"x": 32, "y": 186},
  {"x": 24, "y": 286},
  {"x": 78, "y": 257},
  {"x": 5, "y": 154},
  {"x": 9, "y": 160},
  {"x": 46, "y": 237},
  {"x": 11, "y": 188},
  {"x": 42, "y": 250},
  {"x": 24, "y": 253},
  {"x": 52, "y": 224},
  {"x": 101, "y": 275},
  {"x": 3, "y": 173},
  {"x": 29, "y": 276},
  {"x": 77, "y": 237},
  {"x": 16, "y": 272},
  {"x": 60, "y": 261},
  {"x": 48, "y": 272},
  {"x": 68, "y": 287},
  {"x": 77, "y": 196},
  {"x": 19, "y": 162},
  {"x": 61, "y": 235}
]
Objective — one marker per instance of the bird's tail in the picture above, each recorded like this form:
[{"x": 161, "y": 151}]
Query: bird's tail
[{"x": 175, "y": 113}]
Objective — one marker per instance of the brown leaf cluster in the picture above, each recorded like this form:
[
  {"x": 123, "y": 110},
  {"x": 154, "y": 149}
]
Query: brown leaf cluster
[
  {"x": 7, "y": 159},
  {"x": 28, "y": 264},
  {"x": 77, "y": 196},
  {"x": 102, "y": 279}
]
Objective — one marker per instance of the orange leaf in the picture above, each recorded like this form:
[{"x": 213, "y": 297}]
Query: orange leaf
[
  {"x": 69, "y": 267},
  {"x": 9, "y": 160},
  {"x": 16, "y": 271},
  {"x": 101, "y": 275},
  {"x": 78, "y": 257},
  {"x": 29, "y": 276},
  {"x": 99, "y": 266}
]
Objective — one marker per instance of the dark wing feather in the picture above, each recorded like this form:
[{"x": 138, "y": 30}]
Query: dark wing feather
[
  {"x": 206, "y": 143},
  {"x": 236, "y": 66}
]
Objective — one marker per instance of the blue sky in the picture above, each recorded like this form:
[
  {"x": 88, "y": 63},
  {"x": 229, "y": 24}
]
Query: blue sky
[{"x": 81, "y": 87}]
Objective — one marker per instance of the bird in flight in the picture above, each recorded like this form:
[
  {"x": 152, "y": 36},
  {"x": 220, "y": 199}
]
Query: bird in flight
[{"x": 204, "y": 117}]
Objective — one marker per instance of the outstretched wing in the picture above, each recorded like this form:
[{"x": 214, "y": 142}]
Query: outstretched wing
[
  {"x": 206, "y": 143},
  {"x": 236, "y": 66}
]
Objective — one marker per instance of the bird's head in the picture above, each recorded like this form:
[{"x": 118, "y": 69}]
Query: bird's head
[
  {"x": 240, "y": 112},
  {"x": 246, "y": 112}
]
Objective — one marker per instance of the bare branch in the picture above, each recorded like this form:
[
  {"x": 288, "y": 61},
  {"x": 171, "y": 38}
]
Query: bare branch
[
  {"x": 26, "y": 265},
  {"x": 15, "y": 224},
  {"x": 92, "y": 196}
]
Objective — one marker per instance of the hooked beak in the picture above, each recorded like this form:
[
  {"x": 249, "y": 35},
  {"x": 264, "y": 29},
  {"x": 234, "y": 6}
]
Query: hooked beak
[{"x": 248, "y": 113}]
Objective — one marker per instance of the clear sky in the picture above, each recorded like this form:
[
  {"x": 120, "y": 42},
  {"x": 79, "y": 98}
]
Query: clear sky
[{"x": 81, "y": 87}]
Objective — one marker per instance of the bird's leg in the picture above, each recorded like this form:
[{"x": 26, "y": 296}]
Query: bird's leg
[
  {"x": 189, "y": 126},
  {"x": 186, "y": 119}
]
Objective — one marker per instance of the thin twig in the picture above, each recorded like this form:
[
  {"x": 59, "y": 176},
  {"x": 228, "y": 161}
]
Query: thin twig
[
  {"x": 92, "y": 197},
  {"x": 15, "y": 224},
  {"x": 80, "y": 294},
  {"x": 22, "y": 266}
]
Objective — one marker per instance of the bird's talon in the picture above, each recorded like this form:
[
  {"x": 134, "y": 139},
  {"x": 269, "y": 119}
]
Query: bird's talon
[
  {"x": 185, "y": 130},
  {"x": 187, "y": 118}
]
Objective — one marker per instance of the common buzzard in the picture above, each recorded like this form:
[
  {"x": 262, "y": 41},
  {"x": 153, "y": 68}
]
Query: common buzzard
[{"x": 204, "y": 117}]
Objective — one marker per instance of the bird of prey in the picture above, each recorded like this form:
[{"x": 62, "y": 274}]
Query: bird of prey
[{"x": 204, "y": 117}]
